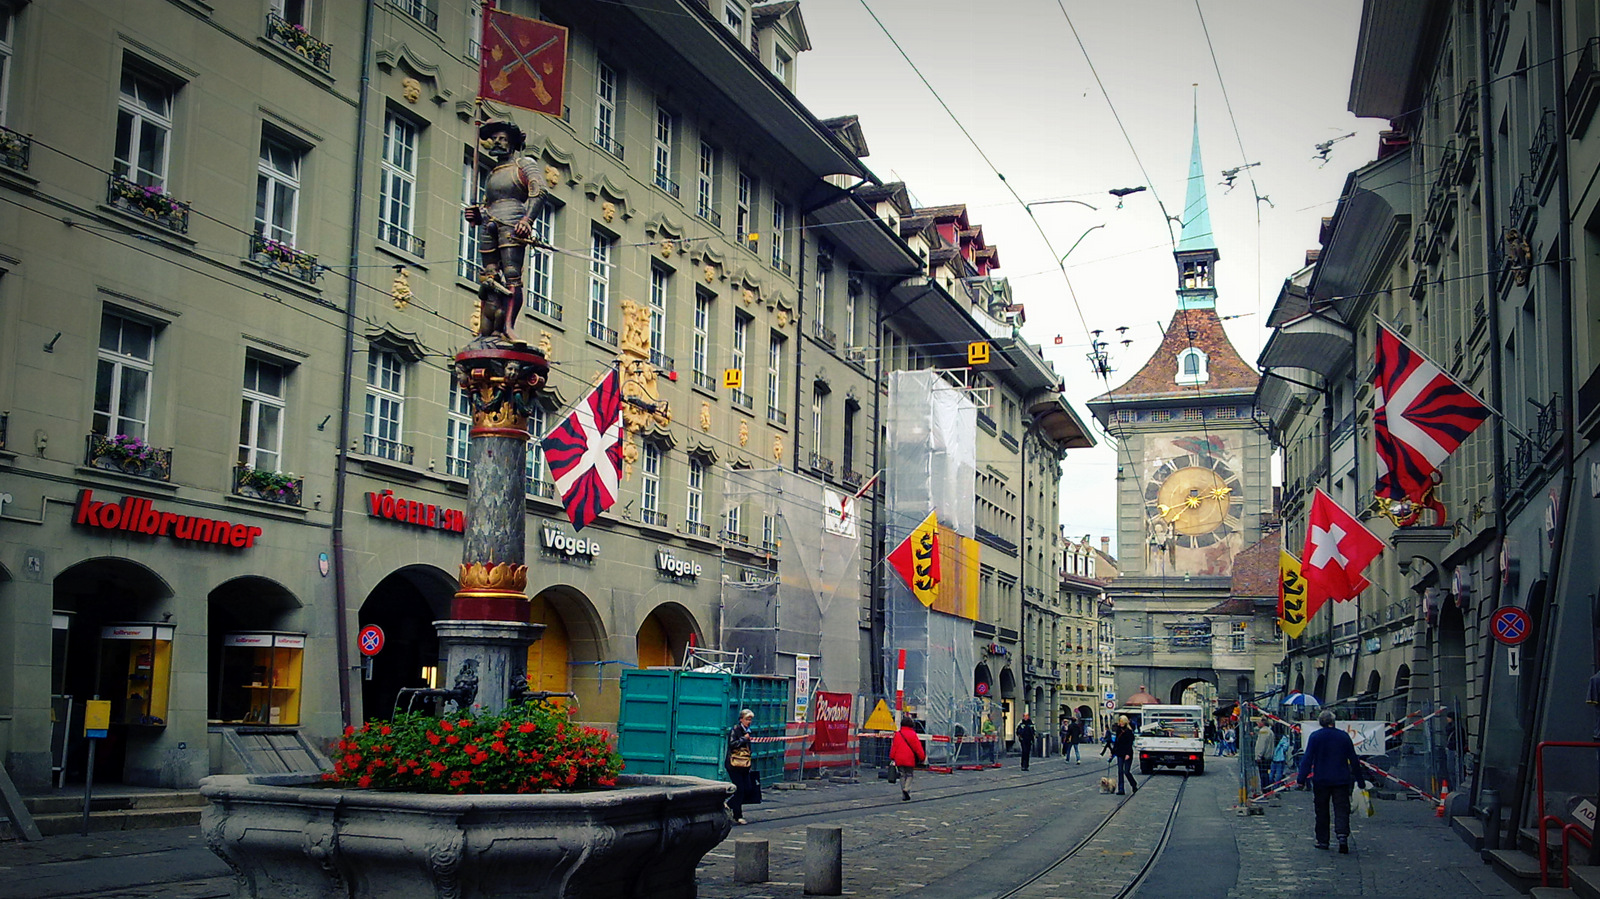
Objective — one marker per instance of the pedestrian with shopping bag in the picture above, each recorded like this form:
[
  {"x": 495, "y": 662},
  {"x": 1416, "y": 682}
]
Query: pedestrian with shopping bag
[
  {"x": 1334, "y": 769},
  {"x": 907, "y": 754},
  {"x": 741, "y": 767}
]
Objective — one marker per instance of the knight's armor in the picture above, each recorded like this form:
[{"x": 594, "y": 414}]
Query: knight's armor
[{"x": 511, "y": 193}]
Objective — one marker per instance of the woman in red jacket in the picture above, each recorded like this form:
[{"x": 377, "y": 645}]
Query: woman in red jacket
[{"x": 906, "y": 752}]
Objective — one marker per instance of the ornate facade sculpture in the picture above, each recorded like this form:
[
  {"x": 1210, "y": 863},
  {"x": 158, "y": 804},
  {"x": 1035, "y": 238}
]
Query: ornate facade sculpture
[{"x": 512, "y": 197}]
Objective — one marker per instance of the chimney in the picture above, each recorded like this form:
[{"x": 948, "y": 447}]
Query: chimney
[{"x": 1105, "y": 545}]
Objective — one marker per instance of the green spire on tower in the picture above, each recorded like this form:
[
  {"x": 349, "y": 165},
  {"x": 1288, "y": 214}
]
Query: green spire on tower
[{"x": 1196, "y": 215}]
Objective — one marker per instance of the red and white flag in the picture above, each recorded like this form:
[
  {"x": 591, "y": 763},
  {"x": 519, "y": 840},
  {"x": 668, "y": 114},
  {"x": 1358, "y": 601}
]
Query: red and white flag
[
  {"x": 585, "y": 453},
  {"x": 1338, "y": 548},
  {"x": 1420, "y": 416}
]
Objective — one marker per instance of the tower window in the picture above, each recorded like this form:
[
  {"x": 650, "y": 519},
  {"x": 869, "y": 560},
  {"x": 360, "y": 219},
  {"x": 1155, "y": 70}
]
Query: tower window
[{"x": 1192, "y": 367}]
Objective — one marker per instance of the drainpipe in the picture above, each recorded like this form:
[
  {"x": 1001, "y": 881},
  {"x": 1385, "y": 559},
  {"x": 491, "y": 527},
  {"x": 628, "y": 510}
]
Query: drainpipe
[
  {"x": 876, "y": 612},
  {"x": 341, "y": 626}
]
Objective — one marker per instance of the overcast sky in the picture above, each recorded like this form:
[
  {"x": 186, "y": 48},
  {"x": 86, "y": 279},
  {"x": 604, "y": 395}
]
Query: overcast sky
[{"x": 1014, "y": 76}]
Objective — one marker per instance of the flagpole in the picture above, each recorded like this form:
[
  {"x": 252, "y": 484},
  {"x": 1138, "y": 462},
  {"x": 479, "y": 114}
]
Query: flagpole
[{"x": 1458, "y": 382}]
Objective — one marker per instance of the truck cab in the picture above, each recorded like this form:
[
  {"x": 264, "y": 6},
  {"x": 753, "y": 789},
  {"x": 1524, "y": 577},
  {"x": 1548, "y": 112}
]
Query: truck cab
[{"x": 1170, "y": 736}]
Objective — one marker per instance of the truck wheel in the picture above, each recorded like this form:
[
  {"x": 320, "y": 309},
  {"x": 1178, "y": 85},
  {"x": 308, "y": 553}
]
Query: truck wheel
[
  {"x": 1146, "y": 767},
  {"x": 1200, "y": 767}
]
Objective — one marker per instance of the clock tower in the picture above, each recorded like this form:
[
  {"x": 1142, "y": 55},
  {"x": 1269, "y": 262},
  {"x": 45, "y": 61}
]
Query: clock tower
[{"x": 1193, "y": 467}]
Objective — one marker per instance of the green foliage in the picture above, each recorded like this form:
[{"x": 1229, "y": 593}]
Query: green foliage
[{"x": 528, "y": 748}]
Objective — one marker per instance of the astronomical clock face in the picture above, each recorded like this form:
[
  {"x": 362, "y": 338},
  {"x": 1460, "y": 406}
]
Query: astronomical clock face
[{"x": 1196, "y": 497}]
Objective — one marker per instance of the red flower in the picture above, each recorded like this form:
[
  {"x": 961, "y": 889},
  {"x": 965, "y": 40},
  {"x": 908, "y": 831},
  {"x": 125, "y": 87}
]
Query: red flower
[
  {"x": 446, "y": 726},
  {"x": 452, "y": 739},
  {"x": 385, "y": 730},
  {"x": 364, "y": 781},
  {"x": 349, "y": 730},
  {"x": 525, "y": 727}
]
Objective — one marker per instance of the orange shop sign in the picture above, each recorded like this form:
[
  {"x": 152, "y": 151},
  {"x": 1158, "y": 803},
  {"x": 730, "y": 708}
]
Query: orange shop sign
[{"x": 137, "y": 515}]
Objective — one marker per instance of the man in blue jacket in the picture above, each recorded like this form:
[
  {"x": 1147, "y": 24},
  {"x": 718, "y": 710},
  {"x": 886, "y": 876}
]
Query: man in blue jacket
[{"x": 1330, "y": 762}]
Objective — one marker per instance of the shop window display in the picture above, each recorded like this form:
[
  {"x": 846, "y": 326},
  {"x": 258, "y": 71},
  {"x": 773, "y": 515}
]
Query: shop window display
[
  {"x": 259, "y": 679},
  {"x": 136, "y": 672}
]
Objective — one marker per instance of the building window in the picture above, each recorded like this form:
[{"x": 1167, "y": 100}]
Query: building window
[
  {"x": 775, "y": 379},
  {"x": 397, "y": 187},
  {"x": 467, "y": 261},
  {"x": 7, "y": 50},
  {"x": 534, "y": 465},
  {"x": 849, "y": 460},
  {"x": 701, "y": 363},
  {"x": 261, "y": 420},
  {"x": 665, "y": 127},
  {"x": 1241, "y": 636},
  {"x": 419, "y": 10},
  {"x": 852, "y": 309},
  {"x": 817, "y": 400},
  {"x": 605, "y": 110},
  {"x": 660, "y": 288},
  {"x": 144, "y": 130},
  {"x": 1192, "y": 367},
  {"x": 457, "y": 430},
  {"x": 474, "y": 30},
  {"x": 600, "y": 287},
  {"x": 735, "y": 17},
  {"x": 695, "y": 498},
  {"x": 650, "y": 485},
  {"x": 741, "y": 335},
  {"x": 386, "y": 384},
  {"x": 122, "y": 379},
  {"x": 1161, "y": 415},
  {"x": 780, "y": 225},
  {"x": 742, "y": 221},
  {"x": 1194, "y": 415},
  {"x": 769, "y": 530},
  {"x": 706, "y": 185},
  {"x": 540, "y": 264},
  {"x": 780, "y": 65},
  {"x": 734, "y": 528},
  {"x": 277, "y": 190},
  {"x": 820, "y": 288}
]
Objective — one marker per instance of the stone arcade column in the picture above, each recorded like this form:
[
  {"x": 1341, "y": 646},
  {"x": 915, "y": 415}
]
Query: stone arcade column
[{"x": 486, "y": 638}]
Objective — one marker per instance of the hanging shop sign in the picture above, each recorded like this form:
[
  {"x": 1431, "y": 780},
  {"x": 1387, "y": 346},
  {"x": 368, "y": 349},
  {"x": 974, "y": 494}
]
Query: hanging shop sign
[
  {"x": 676, "y": 568},
  {"x": 557, "y": 543},
  {"x": 384, "y": 504},
  {"x": 832, "y": 717},
  {"x": 137, "y": 515}
]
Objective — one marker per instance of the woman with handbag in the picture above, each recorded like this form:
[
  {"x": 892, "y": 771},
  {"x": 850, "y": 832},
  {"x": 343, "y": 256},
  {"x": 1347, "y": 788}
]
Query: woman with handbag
[
  {"x": 741, "y": 771},
  {"x": 907, "y": 754}
]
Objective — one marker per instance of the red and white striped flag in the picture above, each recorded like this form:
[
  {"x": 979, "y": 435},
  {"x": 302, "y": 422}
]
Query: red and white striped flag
[
  {"x": 585, "y": 453},
  {"x": 1420, "y": 416}
]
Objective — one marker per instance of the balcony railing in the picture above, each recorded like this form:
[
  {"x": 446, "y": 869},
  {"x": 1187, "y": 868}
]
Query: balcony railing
[
  {"x": 539, "y": 487},
  {"x": 782, "y": 265},
  {"x": 735, "y": 538},
  {"x": 272, "y": 486},
  {"x": 1467, "y": 110},
  {"x": 709, "y": 214},
  {"x": 545, "y": 306},
  {"x": 822, "y": 465},
  {"x": 743, "y": 400},
  {"x": 823, "y": 333},
  {"x": 128, "y": 455},
  {"x": 152, "y": 202},
  {"x": 387, "y": 449},
  {"x": 15, "y": 148},
  {"x": 468, "y": 268},
  {"x": 1009, "y": 439},
  {"x": 995, "y": 540},
  {"x": 607, "y": 142},
  {"x": 1583, "y": 91},
  {"x": 4, "y": 418},
  {"x": 852, "y": 478},
  {"x": 1523, "y": 202},
  {"x": 457, "y": 468},
  {"x": 986, "y": 421},
  {"x": 1542, "y": 150},
  {"x": 666, "y": 184},
  {"x": 281, "y": 257},
  {"x": 653, "y": 517},
  {"x": 705, "y": 381},
  {"x": 602, "y": 333},
  {"x": 662, "y": 361},
  {"x": 695, "y": 529},
  {"x": 777, "y": 416},
  {"x": 396, "y": 236},
  {"x": 299, "y": 40}
]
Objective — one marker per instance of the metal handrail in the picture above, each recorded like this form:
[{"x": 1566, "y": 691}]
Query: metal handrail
[{"x": 1538, "y": 769}]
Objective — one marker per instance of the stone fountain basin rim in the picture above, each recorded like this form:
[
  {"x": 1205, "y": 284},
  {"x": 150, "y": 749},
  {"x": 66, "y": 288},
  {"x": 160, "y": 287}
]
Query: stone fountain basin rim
[{"x": 310, "y": 789}]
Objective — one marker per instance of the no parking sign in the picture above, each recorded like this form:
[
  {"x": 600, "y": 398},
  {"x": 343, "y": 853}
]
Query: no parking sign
[{"x": 370, "y": 640}]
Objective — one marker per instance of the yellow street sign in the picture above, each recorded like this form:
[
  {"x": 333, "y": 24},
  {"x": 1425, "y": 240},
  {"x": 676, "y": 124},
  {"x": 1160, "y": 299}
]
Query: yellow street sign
[
  {"x": 96, "y": 717},
  {"x": 978, "y": 353},
  {"x": 733, "y": 378},
  {"x": 881, "y": 718}
]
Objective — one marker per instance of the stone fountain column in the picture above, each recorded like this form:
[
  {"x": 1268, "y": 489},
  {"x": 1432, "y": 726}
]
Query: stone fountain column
[{"x": 486, "y": 638}]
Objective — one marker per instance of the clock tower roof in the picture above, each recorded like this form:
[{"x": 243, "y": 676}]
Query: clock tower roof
[{"x": 1191, "y": 332}]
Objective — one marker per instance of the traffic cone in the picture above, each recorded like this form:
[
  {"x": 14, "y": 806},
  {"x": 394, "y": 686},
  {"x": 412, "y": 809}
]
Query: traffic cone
[{"x": 1444, "y": 796}]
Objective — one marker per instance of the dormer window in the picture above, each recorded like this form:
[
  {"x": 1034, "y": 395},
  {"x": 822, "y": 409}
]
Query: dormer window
[
  {"x": 735, "y": 17},
  {"x": 1192, "y": 367}
]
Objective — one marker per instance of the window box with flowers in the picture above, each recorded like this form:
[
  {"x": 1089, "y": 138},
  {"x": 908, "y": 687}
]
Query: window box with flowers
[
  {"x": 281, "y": 257},
  {"x": 128, "y": 455},
  {"x": 152, "y": 202},
  {"x": 272, "y": 486},
  {"x": 522, "y": 802},
  {"x": 15, "y": 149},
  {"x": 298, "y": 39}
]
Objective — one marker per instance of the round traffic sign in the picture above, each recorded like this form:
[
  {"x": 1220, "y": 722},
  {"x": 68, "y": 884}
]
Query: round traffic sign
[
  {"x": 1110, "y": 704},
  {"x": 981, "y": 688},
  {"x": 1510, "y": 625},
  {"x": 371, "y": 640}
]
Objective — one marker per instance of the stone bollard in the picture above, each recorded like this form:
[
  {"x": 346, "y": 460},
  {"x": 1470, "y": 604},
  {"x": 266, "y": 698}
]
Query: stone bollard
[
  {"x": 824, "y": 862},
  {"x": 750, "y": 861}
]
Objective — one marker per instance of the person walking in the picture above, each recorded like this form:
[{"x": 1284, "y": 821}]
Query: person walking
[
  {"x": 1331, "y": 763},
  {"x": 1073, "y": 740},
  {"x": 741, "y": 767},
  {"x": 1211, "y": 736},
  {"x": 1280, "y": 757},
  {"x": 1263, "y": 750},
  {"x": 1025, "y": 735},
  {"x": 1122, "y": 750},
  {"x": 907, "y": 754},
  {"x": 1230, "y": 745}
]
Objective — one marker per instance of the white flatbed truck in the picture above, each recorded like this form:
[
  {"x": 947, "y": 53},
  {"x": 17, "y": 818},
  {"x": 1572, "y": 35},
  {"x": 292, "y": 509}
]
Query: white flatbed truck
[{"x": 1170, "y": 736}]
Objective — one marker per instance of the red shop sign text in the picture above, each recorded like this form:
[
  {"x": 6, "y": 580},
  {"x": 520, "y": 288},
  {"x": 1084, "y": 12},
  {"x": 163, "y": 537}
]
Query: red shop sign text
[
  {"x": 140, "y": 516},
  {"x": 422, "y": 515}
]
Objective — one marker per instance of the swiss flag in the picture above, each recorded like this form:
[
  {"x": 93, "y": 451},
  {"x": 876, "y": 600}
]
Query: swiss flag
[{"x": 1338, "y": 548}]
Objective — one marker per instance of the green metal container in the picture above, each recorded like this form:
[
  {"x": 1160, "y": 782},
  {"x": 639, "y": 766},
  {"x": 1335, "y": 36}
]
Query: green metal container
[{"x": 677, "y": 722}]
